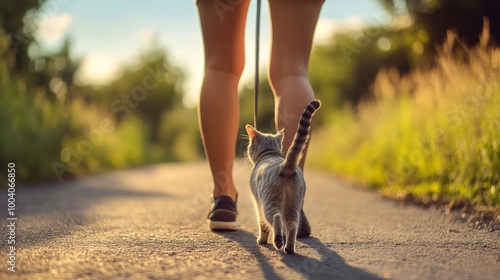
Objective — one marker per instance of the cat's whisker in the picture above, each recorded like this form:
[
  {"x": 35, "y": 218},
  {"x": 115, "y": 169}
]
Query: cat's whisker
[
  {"x": 244, "y": 136},
  {"x": 244, "y": 161}
]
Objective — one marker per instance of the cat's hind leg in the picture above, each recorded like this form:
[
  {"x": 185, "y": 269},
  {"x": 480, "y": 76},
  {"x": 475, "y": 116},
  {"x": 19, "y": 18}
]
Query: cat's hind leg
[
  {"x": 291, "y": 228},
  {"x": 278, "y": 231},
  {"x": 263, "y": 229}
]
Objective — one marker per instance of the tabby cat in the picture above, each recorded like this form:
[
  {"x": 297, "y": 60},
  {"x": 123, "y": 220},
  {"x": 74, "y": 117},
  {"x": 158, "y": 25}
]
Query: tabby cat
[{"x": 277, "y": 183}]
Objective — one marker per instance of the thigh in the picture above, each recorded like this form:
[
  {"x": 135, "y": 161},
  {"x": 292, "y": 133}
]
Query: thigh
[
  {"x": 223, "y": 27},
  {"x": 292, "y": 27}
]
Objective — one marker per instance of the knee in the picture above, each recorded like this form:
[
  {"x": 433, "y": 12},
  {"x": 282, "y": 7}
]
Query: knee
[{"x": 231, "y": 65}]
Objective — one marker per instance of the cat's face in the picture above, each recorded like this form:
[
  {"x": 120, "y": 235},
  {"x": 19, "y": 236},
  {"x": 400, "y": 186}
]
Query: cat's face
[{"x": 262, "y": 142}]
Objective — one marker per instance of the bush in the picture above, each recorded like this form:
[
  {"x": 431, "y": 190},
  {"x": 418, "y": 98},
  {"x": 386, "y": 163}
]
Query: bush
[
  {"x": 49, "y": 139},
  {"x": 431, "y": 135}
]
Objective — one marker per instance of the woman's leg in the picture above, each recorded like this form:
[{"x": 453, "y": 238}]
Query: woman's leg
[
  {"x": 292, "y": 28},
  {"x": 223, "y": 27}
]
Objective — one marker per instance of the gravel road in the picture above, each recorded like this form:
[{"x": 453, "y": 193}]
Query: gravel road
[{"x": 150, "y": 223}]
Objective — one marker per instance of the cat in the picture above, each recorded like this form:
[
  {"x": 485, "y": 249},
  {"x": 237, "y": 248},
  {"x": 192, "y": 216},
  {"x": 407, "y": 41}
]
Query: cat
[{"x": 277, "y": 183}]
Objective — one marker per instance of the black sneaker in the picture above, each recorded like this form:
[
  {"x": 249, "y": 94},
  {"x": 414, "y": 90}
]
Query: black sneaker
[
  {"x": 304, "y": 226},
  {"x": 222, "y": 215}
]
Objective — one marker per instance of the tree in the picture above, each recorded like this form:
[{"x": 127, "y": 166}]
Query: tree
[
  {"x": 19, "y": 28},
  {"x": 147, "y": 89},
  {"x": 343, "y": 70},
  {"x": 438, "y": 16},
  {"x": 55, "y": 72}
]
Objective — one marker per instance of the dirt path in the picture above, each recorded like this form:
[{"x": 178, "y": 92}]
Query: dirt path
[{"x": 150, "y": 223}]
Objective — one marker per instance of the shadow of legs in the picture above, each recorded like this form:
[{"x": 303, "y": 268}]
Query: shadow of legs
[
  {"x": 248, "y": 241},
  {"x": 330, "y": 265}
]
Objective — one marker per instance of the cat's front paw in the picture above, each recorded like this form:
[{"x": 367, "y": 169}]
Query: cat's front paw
[
  {"x": 263, "y": 236},
  {"x": 278, "y": 242}
]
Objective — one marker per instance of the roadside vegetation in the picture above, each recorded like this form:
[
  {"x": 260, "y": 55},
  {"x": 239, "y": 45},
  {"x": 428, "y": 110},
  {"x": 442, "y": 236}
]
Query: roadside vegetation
[
  {"x": 57, "y": 129},
  {"x": 431, "y": 136},
  {"x": 415, "y": 121}
]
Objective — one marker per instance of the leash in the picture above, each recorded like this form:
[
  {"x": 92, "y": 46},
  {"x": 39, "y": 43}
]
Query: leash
[{"x": 256, "y": 85}]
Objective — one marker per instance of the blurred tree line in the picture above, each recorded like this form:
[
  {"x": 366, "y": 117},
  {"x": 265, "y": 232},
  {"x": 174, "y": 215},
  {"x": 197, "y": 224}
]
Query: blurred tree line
[
  {"x": 54, "y": 127},
  {"x": 436, "y": 17},
  {"x": 404, "y": 38},
  {"x": 16, "y": 22},
  {"x": 343, "y": 71}
]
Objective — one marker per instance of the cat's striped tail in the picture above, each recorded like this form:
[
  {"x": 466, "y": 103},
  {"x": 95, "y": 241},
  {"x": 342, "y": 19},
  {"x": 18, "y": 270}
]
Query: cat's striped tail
[{"x": 288, "y": 167}]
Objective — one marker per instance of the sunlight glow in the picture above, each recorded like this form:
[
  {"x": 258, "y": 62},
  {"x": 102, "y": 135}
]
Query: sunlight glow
[
  {"x": 384, "y": 44},
  {"x": 98, "y": 70},
  {"x": 53, "y": 29},
  {"x": 327, "y": 27}
]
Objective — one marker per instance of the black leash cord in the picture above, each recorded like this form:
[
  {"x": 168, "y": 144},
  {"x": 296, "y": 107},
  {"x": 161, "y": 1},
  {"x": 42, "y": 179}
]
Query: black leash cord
[{"x": 256, "y": 85}]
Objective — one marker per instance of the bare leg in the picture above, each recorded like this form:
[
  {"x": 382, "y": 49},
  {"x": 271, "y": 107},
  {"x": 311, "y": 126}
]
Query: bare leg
[
  {"x": 292, "y": 28},
  {"x": 293, "y": 23},
  {"x": 223, "y": 36}
]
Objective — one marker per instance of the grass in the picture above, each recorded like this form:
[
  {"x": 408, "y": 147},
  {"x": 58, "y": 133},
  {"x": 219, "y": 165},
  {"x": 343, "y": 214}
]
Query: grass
[{"x": 432, "y": 136}]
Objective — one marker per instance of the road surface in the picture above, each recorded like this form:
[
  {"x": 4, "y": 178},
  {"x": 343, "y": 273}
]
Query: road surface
[{"x": 150, "y": 223}]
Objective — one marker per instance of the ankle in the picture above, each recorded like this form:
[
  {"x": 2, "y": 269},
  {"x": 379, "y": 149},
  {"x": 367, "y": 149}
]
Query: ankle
[{"x": 231, "y": 192}]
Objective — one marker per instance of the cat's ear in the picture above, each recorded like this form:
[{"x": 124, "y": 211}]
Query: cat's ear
[{"x": 252, "y": 132}]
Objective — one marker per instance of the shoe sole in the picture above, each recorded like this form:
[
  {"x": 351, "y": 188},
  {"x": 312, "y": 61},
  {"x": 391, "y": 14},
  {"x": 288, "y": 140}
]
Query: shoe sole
[{"x": 216, "y": 225}]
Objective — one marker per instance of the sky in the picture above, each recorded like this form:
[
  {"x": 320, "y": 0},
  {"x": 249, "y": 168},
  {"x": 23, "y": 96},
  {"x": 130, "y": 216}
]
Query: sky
[{"x": 108, "y": 35}]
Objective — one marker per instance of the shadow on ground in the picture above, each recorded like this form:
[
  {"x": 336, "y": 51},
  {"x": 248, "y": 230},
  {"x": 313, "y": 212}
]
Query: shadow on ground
[{"x": 330, "y": 265}]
